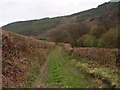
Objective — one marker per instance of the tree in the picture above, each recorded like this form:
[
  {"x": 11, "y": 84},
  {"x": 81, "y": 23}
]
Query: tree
[
  {"x": 69, "y": 33},
  {"x": 87, "y": 40},
  {"x": 97, "y": 31},
  {"x": 109, "y": 39},
  {"x": 76, "y": 30}
]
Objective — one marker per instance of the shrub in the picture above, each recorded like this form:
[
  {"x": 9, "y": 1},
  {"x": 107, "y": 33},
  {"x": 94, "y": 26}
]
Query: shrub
[
  {"x": 69, "y": 33},
  {"x": 97, "y": 31},
  {"x": 109, "y": 39},
  {"x": 87, "y": 40}
]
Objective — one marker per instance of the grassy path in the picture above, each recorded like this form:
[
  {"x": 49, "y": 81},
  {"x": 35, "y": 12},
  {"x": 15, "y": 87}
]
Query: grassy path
[
  {"x": 58, "y": 74},
  {"x": 61, "y": 74},
  {"x": 63, "y": 71}
]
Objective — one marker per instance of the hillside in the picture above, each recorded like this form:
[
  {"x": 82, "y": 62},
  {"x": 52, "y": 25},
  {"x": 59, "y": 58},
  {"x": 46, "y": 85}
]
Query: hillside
[
  {"x": 31, "y": 63},
  {"x": 23, "y": 58},
  {"x": 103, "y": 14},
  {"x": 74, "y": 51}
]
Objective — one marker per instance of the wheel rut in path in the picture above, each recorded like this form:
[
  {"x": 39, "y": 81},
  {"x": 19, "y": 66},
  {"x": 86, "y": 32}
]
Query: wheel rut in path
[{"x": 42, "y": 77}]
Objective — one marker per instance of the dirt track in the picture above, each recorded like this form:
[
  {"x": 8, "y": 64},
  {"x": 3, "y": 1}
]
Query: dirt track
[
  {"x": 66, "y": 67},
  {"x": 40, "y": 83}
]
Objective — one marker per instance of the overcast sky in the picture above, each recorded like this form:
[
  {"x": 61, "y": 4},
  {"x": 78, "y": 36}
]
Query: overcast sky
[{"x": 20, "y": 10}]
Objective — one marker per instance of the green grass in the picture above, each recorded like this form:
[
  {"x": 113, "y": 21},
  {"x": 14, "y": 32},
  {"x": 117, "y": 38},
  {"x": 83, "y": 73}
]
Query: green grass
[
  {"x": 62, "y": 68},
  {"x": 33, "y": 26},
  {"x": 34, "y": 70},
  {"x": 88, "y": 80},
  {"x": 58, "y": 74},
  {"x": 33, "y": 76},
  {"x": 93, "y": 68}
]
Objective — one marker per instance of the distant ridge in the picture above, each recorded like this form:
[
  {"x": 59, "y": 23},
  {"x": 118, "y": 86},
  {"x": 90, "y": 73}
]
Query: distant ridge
[{"x": 38, "y": 27}]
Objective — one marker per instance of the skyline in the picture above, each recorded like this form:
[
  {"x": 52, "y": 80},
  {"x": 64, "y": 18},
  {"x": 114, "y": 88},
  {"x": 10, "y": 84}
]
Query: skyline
[{"x": 13, "y": 11}]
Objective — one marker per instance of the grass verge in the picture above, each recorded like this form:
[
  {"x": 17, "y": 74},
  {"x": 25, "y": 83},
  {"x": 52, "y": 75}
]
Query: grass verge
[
  {"x": 59, "y": 75},
  {"x": 108, "y": 75}
]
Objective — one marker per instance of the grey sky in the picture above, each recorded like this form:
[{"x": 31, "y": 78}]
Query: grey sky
[
  {"x": 114, "y": 0},
  {"x": 20, "y": 10}
]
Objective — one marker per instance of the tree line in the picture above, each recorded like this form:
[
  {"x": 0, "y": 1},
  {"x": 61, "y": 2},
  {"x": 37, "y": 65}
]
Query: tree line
[{"x": 85, "y": 35}]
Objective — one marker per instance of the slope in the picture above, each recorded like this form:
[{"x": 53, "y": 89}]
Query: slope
[
  {"x": 64, "y": 71},
  {"x": 22, "y": 59},
  {"x": 104, "y": 13}
]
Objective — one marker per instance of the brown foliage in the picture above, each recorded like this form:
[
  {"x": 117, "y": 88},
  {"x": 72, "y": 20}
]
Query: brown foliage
[
  {"x": 67, "y": 47},
  {"x": 69, "y": 33},
  {"x": 102, "y": 56},
  {"x": 18, "y": 57}
]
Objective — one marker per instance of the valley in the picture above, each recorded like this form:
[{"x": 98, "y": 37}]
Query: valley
[
  {"x": 49, "y": 65},
  {"x": 80, "y": 50}
]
